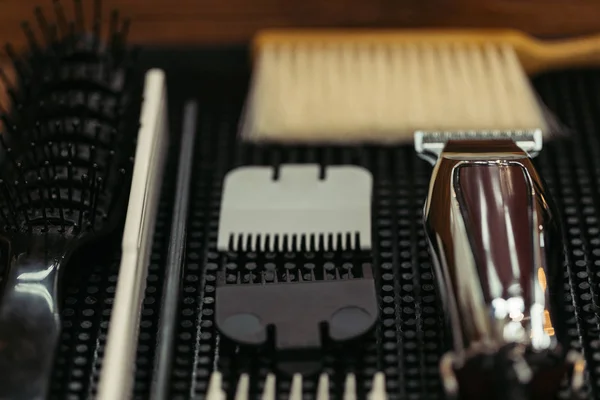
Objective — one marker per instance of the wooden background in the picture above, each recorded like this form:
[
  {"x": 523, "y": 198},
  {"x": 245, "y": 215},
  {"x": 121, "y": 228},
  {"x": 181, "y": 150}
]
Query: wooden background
[
  {"x": 227, "y": 21},
  {"x": 189, "y": 22}
]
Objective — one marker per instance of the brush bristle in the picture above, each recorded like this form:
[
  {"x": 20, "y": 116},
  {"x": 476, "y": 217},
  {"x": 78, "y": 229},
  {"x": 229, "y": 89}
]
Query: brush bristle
[
  {"x": 384, "y": 93},
  {"x": 66, "y": 155}
]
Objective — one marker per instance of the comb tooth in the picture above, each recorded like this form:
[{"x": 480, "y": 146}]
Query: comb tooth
[
  {"x": 7, "y": 121},
  {"x": 46, "y": 169},
  {"x": 124, "y": 31},
  {"x": 33, "y": 45},
  {"x": 60, "y": 17},
  {"x": 120, "y": 183},
  {"x": 98, "y": 186},
  {"x": 59, "y": 204},
  {"x": 215, "y": 389},
  {"x": 43, "y": 25},
  {"x": 378, "y": 389},
  {"x": 96, "y": 22},
  {"x": 239, "y": 245},
  {"x": 269, "y": 392},
  {"x": 243, "y": 388},
  {"x": 4, "y": 216},
  {"x": 18, "y": 203},
  {"x": 285, "y": 242},
  {"x": 248, "y": 242},
  {"x": 114, "y": 22},
  {"x": 323, "y": 388},
  {"x": 79, "y": 15},
  {"x": 350, "y": 387},
  {"x": 17, "y": 64},
  {"x": 230, "y": 244},
  {"x": 48, "y": 188},
  {"x": 8, "y": 87},
  {"x": 9, "y": 201},
  {"x": 93, "y": 175},
  {"x": 296, "y": 389},
  {"x": 42, "y": 202},
  {"x": 6, "y": 148},
  {"x": 256, "y": 243},
  {"x": 53, "y": 156},
  {"x": 109, "y": 160},
  {"x": 70, "y": 179},
  {"x": 84, "y": 181},
  {"x": 24, "y": 181}
]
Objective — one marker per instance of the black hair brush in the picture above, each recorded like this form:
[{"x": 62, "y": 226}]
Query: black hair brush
[{"x": 65, "y": 170}]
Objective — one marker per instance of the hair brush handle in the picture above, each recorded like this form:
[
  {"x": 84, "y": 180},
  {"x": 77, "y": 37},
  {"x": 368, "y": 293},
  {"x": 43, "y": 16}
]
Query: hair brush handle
[
  {"x": 535, "y": 55},
  {"x": 29, "y": 318}
]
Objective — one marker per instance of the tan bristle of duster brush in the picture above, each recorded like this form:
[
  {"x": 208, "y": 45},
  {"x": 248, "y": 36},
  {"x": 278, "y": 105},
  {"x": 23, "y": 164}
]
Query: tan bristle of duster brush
[{"x": 381, "y": 86}]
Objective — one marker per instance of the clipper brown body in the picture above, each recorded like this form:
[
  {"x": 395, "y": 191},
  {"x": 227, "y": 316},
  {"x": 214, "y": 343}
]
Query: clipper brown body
[{"x": 498, "y": 253}]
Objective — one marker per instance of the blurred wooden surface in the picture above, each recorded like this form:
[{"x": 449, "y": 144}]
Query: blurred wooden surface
[
  {"x": 189, "y": 22},
  {"x": 235, "y": 21}
]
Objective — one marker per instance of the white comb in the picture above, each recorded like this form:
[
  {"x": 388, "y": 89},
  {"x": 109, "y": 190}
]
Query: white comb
[
  {"x": 296, "y": 391},
  {"x": 297, "y": 211}
]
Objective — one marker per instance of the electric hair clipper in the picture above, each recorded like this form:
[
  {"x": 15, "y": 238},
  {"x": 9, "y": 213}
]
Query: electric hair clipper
[{"x": 498, "y": 254}]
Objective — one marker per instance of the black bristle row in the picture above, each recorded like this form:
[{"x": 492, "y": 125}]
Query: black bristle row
[
  {"x": 72, "y": 59},
  {"x": 67, "y": 153}
]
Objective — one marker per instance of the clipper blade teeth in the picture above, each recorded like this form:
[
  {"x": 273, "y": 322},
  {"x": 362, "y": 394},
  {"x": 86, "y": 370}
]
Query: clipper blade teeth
[{"x": 286, "y": 242}]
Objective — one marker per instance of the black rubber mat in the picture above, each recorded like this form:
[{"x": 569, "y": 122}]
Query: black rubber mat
[{"x": 409, "y": 338}]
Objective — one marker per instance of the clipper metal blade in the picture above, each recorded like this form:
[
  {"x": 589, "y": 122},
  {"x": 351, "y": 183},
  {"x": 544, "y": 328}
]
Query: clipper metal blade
[{"x": 429, "y": 145}]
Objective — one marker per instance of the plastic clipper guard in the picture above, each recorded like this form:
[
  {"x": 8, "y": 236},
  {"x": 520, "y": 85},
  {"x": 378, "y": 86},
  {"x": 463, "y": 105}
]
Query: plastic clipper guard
[
  {"x": 294, "y": 207},
  {"x": 297, "y": 311}
]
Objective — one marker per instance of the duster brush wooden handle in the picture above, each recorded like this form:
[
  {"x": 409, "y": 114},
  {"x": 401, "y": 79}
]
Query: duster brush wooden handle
[{"x": 535, "y": 55}]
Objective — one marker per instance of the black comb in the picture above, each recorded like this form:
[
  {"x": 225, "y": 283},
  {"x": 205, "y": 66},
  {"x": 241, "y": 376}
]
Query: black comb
[
  {"x": 65, "y": 171},
  {"x": 296, "y": 310}
]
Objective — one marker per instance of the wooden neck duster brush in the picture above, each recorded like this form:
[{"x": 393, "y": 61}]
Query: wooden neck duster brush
[
  {"x": 465, "y": 99},
  {"x": 66, "y": 160}
]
